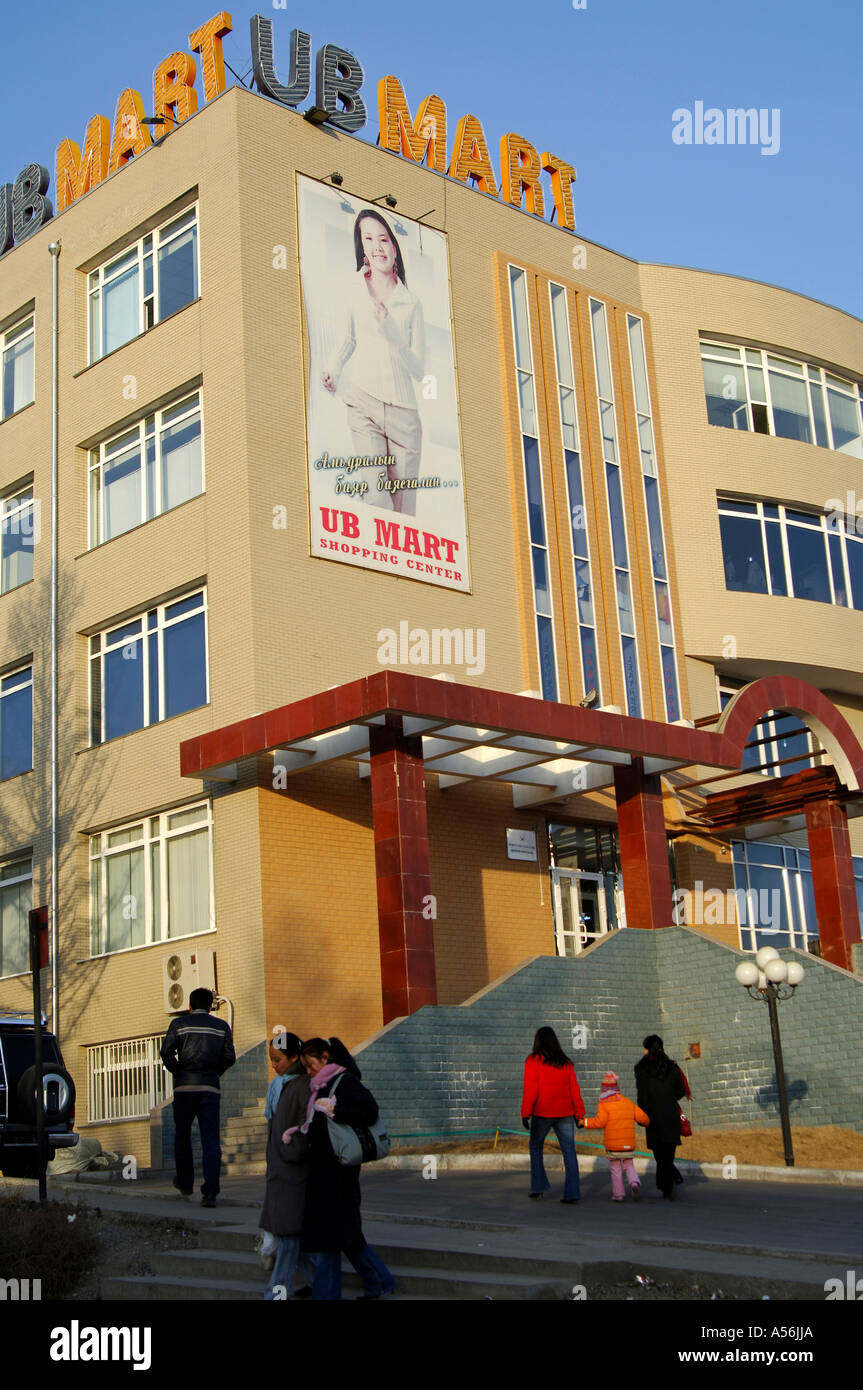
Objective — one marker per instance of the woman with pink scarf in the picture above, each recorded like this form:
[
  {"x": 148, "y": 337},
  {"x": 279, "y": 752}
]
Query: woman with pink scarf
[{"x": 332, "y": 1221}]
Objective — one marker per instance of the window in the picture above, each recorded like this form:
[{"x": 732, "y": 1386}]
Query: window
[
  {"x": 149, "y": 669},
  {"x": 18, "y": 352},
  {"x": 774, "y": 895},
  {"x": 17, "y": 538},
  {"x": 16, "y": 722},
  {"x": 533, "y": 483},
  {"x": 147, "y": 470},
  {"x": 768, "y": 548},
  {"x": 126, "y": 1080},
  {"x": 150, "y": 280},
  {"x": 653, "y": 504},
  {"x": 16, "y": 900},
  {"x": 751, "y": 389},
  {"x": 575, "y": 491},
  {"x": 151, "y": 880},
  {"x": 619, "y": 543}
]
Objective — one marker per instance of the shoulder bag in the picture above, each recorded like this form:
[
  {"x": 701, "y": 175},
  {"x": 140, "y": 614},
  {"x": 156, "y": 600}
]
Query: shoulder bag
[{"x": 356, "y": 1144}]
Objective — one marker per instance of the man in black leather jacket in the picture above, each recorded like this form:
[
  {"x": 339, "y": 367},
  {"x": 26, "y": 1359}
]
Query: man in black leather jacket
[{"x": 197, "y": 1050}]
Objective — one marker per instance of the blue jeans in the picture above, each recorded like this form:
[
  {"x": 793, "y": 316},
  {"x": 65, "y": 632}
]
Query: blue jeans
[
  {"x": 288, "y": 1260},
  {"x": 328, "y": 1276},
  {"x": 565, "y": 1130},
  {"x": 368, "y": 1264},
  {"x": 203, "y": 1106}
]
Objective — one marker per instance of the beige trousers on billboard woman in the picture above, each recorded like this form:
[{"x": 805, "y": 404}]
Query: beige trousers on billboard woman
[{"x": 379, "y": 429}]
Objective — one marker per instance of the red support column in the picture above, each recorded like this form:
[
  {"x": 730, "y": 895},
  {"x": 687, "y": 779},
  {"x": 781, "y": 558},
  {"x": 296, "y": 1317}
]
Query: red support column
[
  {"x": 833, "y": 881},
  {"x": 643, "y": 847},
  {"x": 402, "y": 868}
]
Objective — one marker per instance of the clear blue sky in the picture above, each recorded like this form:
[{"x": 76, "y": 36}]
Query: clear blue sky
[{"x": 596, "y": 86}]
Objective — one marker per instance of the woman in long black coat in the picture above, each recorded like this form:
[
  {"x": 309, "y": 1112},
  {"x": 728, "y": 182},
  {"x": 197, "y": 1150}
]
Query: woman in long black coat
[
  {"x": 660, "y": 1088},
  {"x": 287, "y": 1173},
  {"x": 332, "y": 1221}
]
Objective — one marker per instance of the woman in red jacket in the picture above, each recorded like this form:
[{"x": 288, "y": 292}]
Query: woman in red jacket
[{"x": 551, "y": 1100}]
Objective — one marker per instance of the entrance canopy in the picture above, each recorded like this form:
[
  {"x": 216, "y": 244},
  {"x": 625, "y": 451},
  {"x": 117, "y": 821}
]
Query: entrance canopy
[
  {"x": 399, "y": 726},
  {"x": 467, "y": 733}
]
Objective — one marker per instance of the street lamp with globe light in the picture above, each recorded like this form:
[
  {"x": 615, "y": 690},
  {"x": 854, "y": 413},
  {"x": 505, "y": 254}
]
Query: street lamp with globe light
[{"x": 770, "y": 978}]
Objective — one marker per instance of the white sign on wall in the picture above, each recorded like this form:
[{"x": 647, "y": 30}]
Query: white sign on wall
[{"x": 521, "y": 844}]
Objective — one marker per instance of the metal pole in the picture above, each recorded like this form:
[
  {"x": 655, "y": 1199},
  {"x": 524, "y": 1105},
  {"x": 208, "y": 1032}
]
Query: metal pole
[
  {"x": 780, "y": 1076},
  {"x": 54, "y": 250},
  {"x": 42, "y": 1156}
]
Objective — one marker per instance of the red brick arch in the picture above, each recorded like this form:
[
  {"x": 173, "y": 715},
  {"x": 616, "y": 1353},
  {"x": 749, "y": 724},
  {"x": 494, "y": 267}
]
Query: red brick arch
[{"x": 810, "y": 706}]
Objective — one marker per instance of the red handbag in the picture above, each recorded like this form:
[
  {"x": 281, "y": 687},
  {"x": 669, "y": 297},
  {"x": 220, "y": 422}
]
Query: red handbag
[{"x": 685, "y": 1126}]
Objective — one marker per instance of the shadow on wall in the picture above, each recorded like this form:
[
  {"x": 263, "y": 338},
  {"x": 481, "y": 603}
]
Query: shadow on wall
[
  {"x": 81, "y": 784},
  {"x": 769, "y": 1095}
]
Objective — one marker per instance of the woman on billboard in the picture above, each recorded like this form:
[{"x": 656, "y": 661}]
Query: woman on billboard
[{"x": 385, "y": 342}]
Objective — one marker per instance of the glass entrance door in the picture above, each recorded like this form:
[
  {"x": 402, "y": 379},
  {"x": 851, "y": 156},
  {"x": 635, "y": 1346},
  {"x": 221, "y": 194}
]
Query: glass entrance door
[{"x": 579, "y": 910}]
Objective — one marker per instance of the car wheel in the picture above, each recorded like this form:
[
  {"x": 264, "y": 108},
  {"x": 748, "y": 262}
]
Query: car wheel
[{"x": 60, "y": 1093}]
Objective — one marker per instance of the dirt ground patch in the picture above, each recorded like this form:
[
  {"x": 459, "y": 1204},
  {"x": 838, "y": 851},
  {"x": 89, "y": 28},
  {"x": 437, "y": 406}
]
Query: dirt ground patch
[
  {"x": 815, "y": 1146},
  {"x": 125, "y": 1246}
]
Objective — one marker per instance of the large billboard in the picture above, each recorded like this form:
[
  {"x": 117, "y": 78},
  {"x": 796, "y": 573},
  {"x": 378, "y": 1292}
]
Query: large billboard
[{"x": 386, "y": 490}]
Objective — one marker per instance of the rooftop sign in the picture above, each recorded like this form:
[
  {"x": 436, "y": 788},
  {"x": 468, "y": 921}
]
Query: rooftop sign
[{"x": 24, "y": 207}]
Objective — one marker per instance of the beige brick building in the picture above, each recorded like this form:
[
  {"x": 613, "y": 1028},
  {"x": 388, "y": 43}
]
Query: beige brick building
[{"x": 190, "y": 598}]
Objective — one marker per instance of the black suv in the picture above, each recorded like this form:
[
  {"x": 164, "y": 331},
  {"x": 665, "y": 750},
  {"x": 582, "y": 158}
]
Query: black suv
[{"x": 18, "y": 1152}]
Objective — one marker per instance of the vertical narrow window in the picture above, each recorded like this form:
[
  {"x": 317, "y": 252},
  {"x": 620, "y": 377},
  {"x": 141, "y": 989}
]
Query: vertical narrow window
[
  {"x": 617, "y": 519},
  {"x": 578, "y": 529},
  {"x": 18, "y": 348},
  {"x": 533, "y": 484},
  {"x": 653, "y": 504}
]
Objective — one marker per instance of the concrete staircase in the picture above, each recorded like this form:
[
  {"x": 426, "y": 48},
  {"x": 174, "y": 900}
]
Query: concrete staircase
[
  {"x": 226, "y": 1267},
  {"x": 244, "y": 1141}
]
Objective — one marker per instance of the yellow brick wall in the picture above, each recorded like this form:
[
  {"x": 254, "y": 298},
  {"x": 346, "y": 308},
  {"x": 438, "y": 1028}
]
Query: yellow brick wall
[{"x": 299, "y": 865}]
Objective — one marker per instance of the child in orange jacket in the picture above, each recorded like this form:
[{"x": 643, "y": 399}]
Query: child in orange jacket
[{"x": 617, "y": 1116}]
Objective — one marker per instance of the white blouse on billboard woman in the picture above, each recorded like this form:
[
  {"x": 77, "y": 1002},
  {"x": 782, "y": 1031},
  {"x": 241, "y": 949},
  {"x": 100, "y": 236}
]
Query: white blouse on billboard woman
[
  {"x": 384, "y": 343},
  {"x": 385, "y": 357}
]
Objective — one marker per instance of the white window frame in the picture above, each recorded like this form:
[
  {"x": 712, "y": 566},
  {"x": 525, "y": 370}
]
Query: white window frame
[
  {"x": 138, "y": 252},
  {"x": 108, "y": 1063},
  {"x": 844, "y": 527},
  {"x": 155, "y": 830},
  {"x": 11, "y": 883},
  {"x": 12, "y": 508},
  {"x": 794, "y": 939},
  {"x": 808, "y": 372},
  {"x": 25, "y": 685},
  {"x": 149, "y": 428},
  {"x": 24, "y": 327},
  {"x": 161, "y": 626}
]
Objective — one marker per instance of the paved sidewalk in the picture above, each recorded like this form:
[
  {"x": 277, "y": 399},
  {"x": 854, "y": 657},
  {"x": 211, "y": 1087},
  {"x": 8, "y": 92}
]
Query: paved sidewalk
[{"x": 761, "y": 1230}]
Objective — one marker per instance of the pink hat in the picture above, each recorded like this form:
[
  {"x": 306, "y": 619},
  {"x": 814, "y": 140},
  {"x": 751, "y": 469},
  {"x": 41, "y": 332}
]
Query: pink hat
[{"x": 609, "y": 1080}]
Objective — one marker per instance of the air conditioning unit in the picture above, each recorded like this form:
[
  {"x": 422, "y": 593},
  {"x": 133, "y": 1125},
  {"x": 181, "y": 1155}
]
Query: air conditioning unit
[{"x": 184, "y": 971}]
